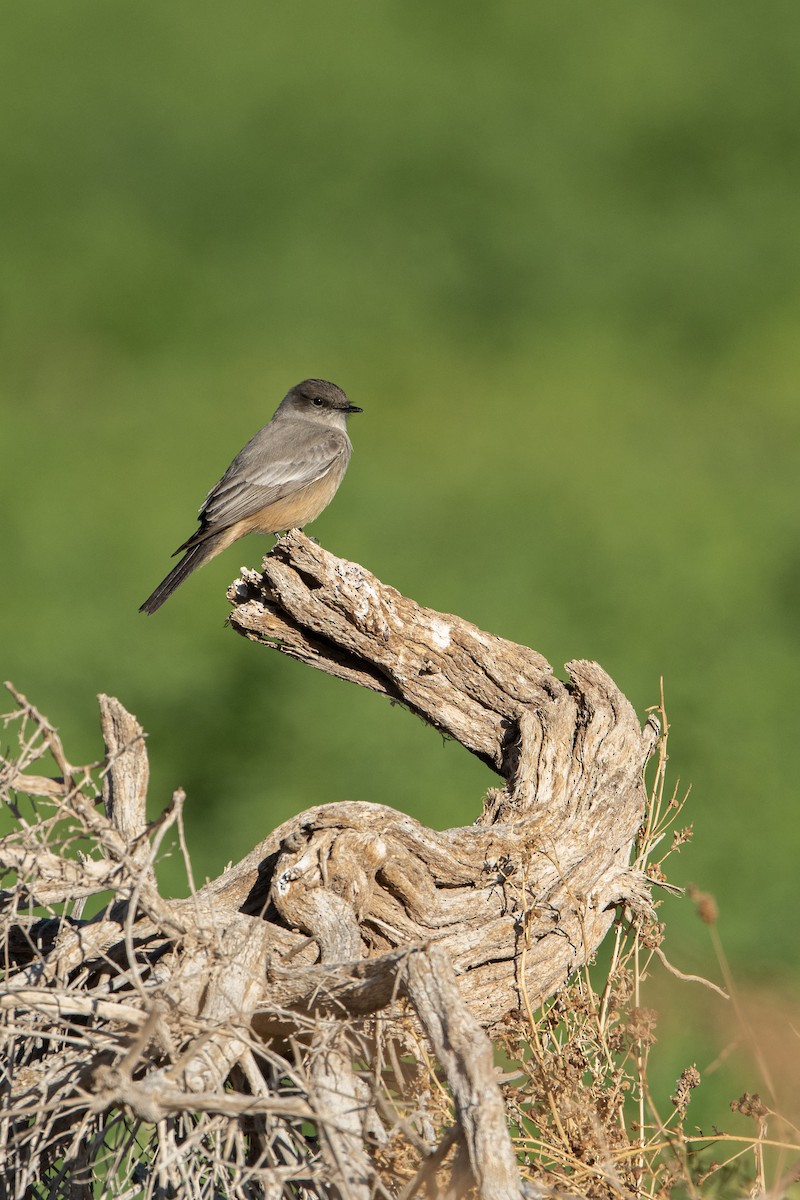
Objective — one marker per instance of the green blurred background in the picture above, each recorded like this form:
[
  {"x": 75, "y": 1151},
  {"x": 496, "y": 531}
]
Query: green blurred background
[{"x": 554, "y": 253}]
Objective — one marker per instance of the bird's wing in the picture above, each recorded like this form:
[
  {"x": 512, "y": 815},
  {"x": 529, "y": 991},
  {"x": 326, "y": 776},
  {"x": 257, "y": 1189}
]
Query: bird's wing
[{"x": 279, "y": 460}]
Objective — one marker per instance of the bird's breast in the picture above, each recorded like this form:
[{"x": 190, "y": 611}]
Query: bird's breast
[{"x": 300, "y": 507}]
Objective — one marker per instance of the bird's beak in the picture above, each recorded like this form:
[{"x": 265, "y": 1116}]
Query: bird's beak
[{"x": 353, "y": 408}]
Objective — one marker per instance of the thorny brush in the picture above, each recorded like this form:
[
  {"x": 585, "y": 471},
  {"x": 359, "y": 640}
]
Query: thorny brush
[{"x": 575, "y": 1073}]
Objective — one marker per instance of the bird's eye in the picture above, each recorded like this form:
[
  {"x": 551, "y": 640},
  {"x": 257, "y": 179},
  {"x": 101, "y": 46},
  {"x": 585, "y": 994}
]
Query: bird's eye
[{"x": 318, "y": 401}]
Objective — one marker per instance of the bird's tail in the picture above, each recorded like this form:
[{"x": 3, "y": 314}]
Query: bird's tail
[{"x": 192, "y": 559}]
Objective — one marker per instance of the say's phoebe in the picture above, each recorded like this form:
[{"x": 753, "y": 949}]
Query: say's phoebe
[{"x": 282, "y": 479}]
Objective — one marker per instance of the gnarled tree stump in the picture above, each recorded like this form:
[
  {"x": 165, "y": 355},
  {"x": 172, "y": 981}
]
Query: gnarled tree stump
[
  {"x": 523, "y": 897},
  {"x": 253, "y": 999}
]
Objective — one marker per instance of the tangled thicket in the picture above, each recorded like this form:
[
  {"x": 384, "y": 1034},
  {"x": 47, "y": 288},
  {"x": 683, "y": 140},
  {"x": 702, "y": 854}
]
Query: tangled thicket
[{"x": 324, "y": 1019}]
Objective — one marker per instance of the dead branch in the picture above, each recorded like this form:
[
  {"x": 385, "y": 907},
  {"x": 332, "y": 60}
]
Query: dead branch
[{"x": 250, "y": 1021}]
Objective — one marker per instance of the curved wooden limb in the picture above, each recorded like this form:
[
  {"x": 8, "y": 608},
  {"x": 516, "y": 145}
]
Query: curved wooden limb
[
  {"x": 272, "y": 998},
  {"x": 522, "y": 898}
]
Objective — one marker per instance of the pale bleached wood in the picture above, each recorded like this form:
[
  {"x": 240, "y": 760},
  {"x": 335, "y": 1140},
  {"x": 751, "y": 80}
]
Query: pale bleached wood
[
  {"x": 127, "y": 770},
  {"x": 346, "y": 910},
  {"x": 466, "y": 1055},
  {"x": 523, "y": 897}
]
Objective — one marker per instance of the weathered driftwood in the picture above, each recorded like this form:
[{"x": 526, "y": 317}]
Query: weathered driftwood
[
  {"x": 523, "y": 897},
  {"x": 255, "y": 997}
]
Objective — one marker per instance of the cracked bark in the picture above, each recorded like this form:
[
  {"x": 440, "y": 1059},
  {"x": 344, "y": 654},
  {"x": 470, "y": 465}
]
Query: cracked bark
[
  {"x": 523, "y": 897},
  {"x": 353, "y": 909}
]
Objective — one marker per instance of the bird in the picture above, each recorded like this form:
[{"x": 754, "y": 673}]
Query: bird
[{"x": 282, "y": 479}]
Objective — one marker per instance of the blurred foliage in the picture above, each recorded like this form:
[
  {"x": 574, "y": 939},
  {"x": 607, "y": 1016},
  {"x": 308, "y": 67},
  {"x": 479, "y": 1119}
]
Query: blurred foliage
[{"x": 554, "y": 253}]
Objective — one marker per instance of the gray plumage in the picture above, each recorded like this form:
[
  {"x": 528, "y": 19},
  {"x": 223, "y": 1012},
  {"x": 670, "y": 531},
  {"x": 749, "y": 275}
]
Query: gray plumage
[{"x": 283, "y": 478}]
